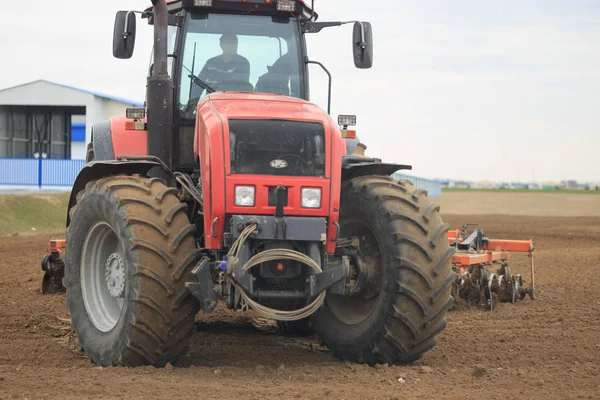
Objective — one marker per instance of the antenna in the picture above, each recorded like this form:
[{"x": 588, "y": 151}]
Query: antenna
[{"x": 193, "y": 73}]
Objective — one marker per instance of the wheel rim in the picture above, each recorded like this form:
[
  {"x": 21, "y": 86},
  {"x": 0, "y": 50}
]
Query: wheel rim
[
  {"x": 103, "y": 278},
  {"x": 353, "y": 310}
]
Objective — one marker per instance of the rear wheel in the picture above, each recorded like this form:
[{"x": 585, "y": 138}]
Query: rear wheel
[
  {"x": 130, "y": 248},
  {"x": 405, "y": 294}
]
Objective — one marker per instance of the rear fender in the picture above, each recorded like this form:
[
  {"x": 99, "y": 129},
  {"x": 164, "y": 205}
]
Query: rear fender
[
  {"x": 102, "y": 169},
  {"x": 127, "y": 142},
  {"x": 111, "y": 140}
]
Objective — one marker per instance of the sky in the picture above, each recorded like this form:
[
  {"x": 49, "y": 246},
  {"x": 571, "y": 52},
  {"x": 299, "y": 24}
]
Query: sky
[{"x": 477, "y": 90}]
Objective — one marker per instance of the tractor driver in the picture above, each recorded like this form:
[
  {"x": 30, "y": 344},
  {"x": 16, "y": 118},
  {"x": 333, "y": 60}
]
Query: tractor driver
[{"x": 227, "y": 67}]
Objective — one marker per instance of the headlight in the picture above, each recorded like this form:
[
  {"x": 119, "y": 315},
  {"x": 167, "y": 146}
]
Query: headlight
[
  {"x": 244, "y": 196},
  {"x": 311, "y": 198}
]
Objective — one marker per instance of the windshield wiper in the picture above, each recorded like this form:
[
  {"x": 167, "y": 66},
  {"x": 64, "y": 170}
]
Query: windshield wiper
[{"x": 199, "y": 81}]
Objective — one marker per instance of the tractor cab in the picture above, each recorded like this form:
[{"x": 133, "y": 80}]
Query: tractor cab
[{"x": 251, "y": 46}]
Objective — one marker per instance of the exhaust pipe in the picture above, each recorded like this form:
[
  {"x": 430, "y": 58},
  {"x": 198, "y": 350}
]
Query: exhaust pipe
[{"x": 160, "y": 91}]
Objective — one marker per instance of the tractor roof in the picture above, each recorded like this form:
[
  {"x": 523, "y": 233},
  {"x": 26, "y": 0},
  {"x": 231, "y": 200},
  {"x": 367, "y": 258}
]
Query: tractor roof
[{"x": 242, "y": 6}]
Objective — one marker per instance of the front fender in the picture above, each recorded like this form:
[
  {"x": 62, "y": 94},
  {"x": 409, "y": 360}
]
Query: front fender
[
  {"x": 102, "y": 169},
  {"x": 355, "y": 166}
]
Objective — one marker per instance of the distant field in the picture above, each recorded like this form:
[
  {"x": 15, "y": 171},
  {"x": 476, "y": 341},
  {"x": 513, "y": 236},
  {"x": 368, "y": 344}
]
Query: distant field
[
  {"x": 33, "y": 213},
  {"x": 569, "y": 191},
  {"x": 559, "y": 204}
]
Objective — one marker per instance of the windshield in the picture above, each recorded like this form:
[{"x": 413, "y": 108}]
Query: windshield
[{"x": 246, "y": 53}]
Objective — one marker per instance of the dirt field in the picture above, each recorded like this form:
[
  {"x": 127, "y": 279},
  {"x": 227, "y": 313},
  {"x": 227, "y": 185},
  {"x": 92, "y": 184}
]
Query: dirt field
[
  {"x": 547, "y": 348},
  {"x": 526, "y": 204}
]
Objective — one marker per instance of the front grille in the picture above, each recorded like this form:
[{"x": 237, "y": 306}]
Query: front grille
[{"x": 277, "y": 147}]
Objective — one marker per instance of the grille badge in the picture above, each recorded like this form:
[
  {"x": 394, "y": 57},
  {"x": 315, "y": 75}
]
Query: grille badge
[{"x": 277, "y": 163}]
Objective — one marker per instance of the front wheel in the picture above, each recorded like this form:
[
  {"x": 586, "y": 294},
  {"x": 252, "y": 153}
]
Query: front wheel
[
  {"x": 405, "y": 293},
  {"x": 130, "y": 249}
]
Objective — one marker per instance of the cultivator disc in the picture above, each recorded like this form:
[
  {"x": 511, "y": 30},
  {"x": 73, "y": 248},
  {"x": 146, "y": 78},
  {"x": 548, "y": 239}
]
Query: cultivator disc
[
  {"x": 476, "y": 282},
  {"x": 480, "y": 287}
]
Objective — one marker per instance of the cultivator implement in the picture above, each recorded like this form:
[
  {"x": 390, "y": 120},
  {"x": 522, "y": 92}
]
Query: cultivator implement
[
  {"x": 482, "y": 268},
  {"x": 53, "y": 267}
]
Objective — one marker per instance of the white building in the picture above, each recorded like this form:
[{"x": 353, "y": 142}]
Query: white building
[{"x": 51, "y": 118}]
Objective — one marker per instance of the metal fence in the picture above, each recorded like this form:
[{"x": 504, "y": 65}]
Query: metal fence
[
  {"x": 62, "y": 173},
  {"x": 39, "y": 172},
  {"x": 434, "y": 188},
  {"x": 19, "y": 172}
]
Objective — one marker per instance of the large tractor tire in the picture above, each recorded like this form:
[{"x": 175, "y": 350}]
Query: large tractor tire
[
  {"x": 130, "y": 248},
  {"x": 402, "y": 304}
]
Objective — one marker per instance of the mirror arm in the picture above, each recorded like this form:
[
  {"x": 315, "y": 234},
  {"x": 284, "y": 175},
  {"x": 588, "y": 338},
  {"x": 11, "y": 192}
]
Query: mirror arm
[
  {"x": 316, "y": 27},
  {"x": 174, "y": 20},
  {"x": 307, "y": 61},
  {"x": 362, "y": 43},
  {"x": 312, "y": 11},
  {"x": 125, "y": 33}
]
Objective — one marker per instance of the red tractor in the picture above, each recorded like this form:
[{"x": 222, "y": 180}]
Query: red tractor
[{"x": 230, "y": 185}]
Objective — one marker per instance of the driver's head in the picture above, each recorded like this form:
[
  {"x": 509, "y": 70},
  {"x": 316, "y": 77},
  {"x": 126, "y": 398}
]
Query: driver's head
[{"x": 229, "y": 44}]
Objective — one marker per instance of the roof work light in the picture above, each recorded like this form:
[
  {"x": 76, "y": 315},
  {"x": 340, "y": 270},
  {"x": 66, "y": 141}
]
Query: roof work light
[
  {"x": 135, "y": 113},
  {"x": 347, "y": 120},
  {"x": 286, "y": 5}
]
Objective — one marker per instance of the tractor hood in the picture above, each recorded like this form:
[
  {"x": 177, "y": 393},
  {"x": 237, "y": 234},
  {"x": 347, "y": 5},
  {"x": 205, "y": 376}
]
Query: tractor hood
[
  {"x": 241, "y": 105},
  {"x": 221, "y": 116}
]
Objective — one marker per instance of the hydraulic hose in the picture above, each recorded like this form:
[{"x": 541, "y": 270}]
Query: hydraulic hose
[{"x": 272, "y": 255}]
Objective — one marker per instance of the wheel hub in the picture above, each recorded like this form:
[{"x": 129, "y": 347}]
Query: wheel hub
[
  {"x": 102, "y": 269},
  {"x": 114, "y": 274},
  {"x": 363, "y": 291}
]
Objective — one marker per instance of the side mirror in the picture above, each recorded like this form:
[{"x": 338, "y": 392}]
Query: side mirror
[
  {"x": 362, "y": 45},
  {"x": 124, "y": 34}
]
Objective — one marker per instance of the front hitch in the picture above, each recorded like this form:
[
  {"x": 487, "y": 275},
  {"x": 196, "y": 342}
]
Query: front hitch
[{"x": 203, "y": 289}]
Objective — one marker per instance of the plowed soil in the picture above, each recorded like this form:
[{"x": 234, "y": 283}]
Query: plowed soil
[
  {"x": 546, "y": 348},
  {"x": 526, "y": 204}
]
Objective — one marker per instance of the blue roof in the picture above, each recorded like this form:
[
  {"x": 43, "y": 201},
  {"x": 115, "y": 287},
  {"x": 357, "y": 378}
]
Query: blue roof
[{"x": 97, "y": 94}]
